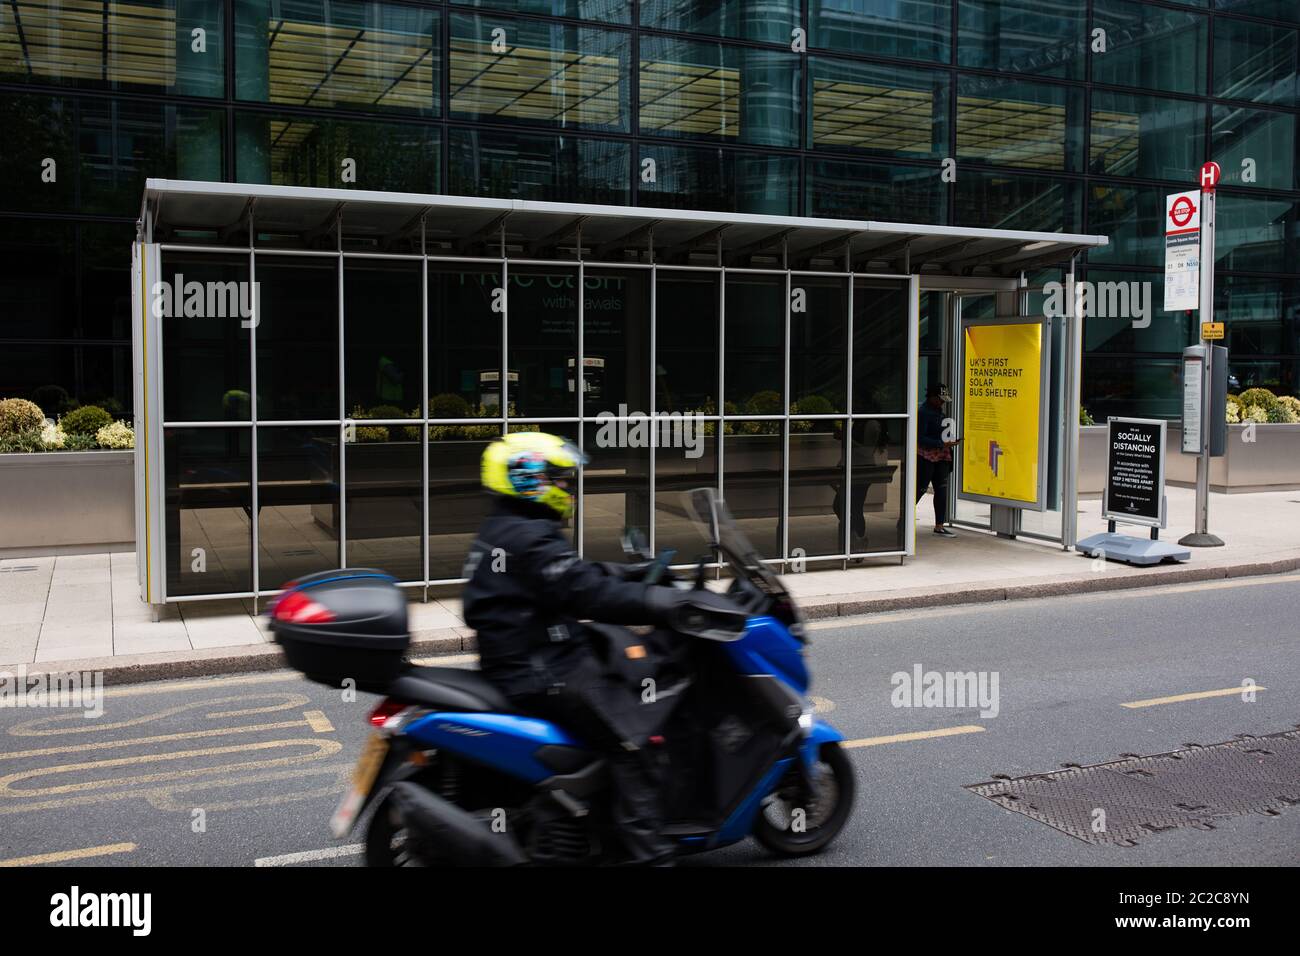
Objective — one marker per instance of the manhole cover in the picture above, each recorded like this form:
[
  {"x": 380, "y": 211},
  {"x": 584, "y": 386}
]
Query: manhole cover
[{"x": 1120, "y": 801}]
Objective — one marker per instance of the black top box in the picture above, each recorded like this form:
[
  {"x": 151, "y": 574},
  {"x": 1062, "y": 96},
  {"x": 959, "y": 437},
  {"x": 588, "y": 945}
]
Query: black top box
[{"x": 348, "y": 624}]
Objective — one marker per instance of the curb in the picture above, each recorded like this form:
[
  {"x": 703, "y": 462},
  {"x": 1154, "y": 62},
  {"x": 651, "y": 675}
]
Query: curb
[
  {"x": 830, "y": 607},
  {"x": 252, "y": 658}
]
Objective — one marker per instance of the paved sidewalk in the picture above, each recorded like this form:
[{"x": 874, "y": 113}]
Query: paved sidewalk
[{"x": 86, "y": 608}]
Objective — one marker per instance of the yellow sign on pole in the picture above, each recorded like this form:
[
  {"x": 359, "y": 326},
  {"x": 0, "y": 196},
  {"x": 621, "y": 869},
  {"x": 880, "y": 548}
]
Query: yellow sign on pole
[
  {"x": 1211, "y": 330},
  {"x": 1001, "y": 411}
]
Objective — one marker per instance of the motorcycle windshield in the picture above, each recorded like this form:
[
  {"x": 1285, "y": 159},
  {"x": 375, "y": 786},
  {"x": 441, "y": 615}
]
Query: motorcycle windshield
[{"x": 715, "y": 524}]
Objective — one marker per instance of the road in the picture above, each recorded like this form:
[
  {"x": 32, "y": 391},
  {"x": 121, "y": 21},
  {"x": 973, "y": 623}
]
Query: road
[{"x": 231, "y": 771}]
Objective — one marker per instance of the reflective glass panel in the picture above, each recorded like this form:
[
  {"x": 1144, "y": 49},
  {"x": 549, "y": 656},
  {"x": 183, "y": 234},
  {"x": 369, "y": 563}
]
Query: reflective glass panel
[
  {"x": 615, "y": 487},
  {"x": 847, "y": 190},
  {"x": 457, "y": 502},
  {"x": 205, "y": 337},
  {"x": 208, "y": 503},
  {"x": 819, "y": 315},
  {"x": 285, "y": 150},
  {"x": 679, "y": 470},
  {"x": 544, "y": 166},
  {"x": 616, "y": 341},
  {"x": 322, "y": 53},
  {"x": 1011, "y": 123},
  {"x": 1149, "y": 47},
  {"x": 754, "y": 341},
  {"x": 1045, "y": 37},
  {"x": 385, "y": 500},
  {"x": 298, "y": 502},
  {"x": 297, "y": 338},
  {"x": 381, "y": 339},
  {"x": 879, "y": 346},
  {"x": 878, "y": 110},
  {"x": 913, "y": 29},
  {"x": 686, "y": 341},
  {"x": 713, "y": 91},
  {"x": 817, "y": 477},
  {"x": 543, "y": 341},
  {"x": 751, "y": 483},
  {"x": 723, "y": 180},
  {"x": 1256, "y": 62},
  {"x": 465, "y": 321},
  {"x": 878, "y": 485},
  {"x": 539, "y": 72},
  {"x": 768, "y": 21},
  {"x": 1146, "y": 136},
  {"x": 156, "y": 46},
  {"x": 1261, "y": 142}
]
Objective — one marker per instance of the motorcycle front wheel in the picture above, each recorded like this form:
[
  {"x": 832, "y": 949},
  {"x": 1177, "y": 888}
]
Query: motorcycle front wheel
[{"x": 796, "y": 823}]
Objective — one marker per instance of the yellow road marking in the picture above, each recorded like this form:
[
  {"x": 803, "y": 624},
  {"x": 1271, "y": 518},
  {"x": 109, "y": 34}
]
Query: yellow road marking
[
  {"x": 1199, "y": 695},
  {"x": 75, "y": 724},
  {"x": 915, "y": 735},
  {"x": 321, "y": 748},
  {"x": 166, "y": 687},
  {"x": 157, "y": 739},
  {"x": 162, "y": 798},
  {"x": 64, "y": 855},
  {"x": 318, "y": 722}
]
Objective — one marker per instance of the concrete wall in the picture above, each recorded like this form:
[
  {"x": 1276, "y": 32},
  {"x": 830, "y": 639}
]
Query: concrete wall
[
  {"x": 66, "y": 501},
  {"x": 1270, "y": 463}
]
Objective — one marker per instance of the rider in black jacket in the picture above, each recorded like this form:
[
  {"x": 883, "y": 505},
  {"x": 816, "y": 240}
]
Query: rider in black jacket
[{"x": 529, "y": 590}]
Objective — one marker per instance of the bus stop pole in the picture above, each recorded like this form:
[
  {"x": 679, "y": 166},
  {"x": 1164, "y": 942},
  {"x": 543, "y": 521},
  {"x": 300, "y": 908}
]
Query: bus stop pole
[{"x": 1201, "y": 537}]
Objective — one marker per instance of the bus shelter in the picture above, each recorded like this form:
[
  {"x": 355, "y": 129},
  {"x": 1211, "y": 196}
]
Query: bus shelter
[{"x": 317, "y": 373}]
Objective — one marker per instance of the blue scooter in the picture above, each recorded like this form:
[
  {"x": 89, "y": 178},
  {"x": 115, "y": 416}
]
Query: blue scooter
[{"x": 457, "y": 777}]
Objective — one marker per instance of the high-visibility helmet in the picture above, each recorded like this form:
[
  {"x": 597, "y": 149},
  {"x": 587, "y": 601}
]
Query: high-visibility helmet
[{"x": 536, "y": 467}]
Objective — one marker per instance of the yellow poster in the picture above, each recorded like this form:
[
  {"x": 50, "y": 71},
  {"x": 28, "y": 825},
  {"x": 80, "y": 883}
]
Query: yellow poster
[{"x": 1001, "y": 404}]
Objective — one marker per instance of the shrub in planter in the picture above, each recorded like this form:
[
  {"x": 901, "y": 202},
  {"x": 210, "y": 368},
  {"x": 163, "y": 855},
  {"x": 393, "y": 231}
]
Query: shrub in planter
[
  {"x": 86, "y": 420},
  {"x": 18, "y": 415},
  {"x": 1233, "y": 411},
  {"x": 1292, "y": 404},
  {"x": 80, "y": 443},
  {"x": 118, "y": 435},
  {"x": 449, "y": 405},
  {"x": 28, "y": 440},
  {"x": 53, "y": 437}
]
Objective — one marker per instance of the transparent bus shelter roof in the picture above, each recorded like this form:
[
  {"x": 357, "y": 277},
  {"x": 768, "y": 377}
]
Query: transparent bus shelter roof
[{"x": 219, "y": 213}]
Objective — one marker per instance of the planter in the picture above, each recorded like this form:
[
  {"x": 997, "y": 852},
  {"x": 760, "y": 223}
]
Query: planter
[
  {"x": 1271, "y": 462},
  {"x": 67, "y": 500}
]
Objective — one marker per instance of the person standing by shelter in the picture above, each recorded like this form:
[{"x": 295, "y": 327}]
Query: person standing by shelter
[{"x": 934, "y": 454}]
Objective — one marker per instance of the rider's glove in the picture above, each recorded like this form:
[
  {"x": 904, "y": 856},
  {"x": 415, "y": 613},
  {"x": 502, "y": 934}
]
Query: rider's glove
[{"x": 700, "y": 613}]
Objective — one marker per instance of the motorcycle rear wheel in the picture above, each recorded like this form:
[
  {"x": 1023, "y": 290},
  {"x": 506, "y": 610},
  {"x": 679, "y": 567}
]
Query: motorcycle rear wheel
[
  {"x": 387, "y": 842},
  {"x": 824, "y": 814}
]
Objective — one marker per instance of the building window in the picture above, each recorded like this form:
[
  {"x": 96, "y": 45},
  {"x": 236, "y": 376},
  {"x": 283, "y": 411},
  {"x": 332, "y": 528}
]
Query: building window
[
  {"x": 713, "y": 91},
  {"x": 367, "y": 56},
  {"x": 878, "y": 110},
  {"x": 505, "y": 70},
  {"x": 1044, "y": 37},
  {"x": 1013, "y": 123},
  {"x": 911, "y": 29}
]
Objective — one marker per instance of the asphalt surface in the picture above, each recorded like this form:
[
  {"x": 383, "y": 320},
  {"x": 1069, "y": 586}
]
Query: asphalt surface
[{"x": 230, "y": 771}]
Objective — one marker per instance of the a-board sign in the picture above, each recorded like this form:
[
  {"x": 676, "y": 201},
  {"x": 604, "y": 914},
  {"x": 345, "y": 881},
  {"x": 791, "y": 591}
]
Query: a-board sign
[
  {"x": 1135, "y": 471},
  {"x": 1004, "y": 411}
]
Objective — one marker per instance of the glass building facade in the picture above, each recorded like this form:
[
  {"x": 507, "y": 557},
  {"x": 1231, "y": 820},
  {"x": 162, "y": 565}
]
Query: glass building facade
[{"x": 1061, "y": 115}]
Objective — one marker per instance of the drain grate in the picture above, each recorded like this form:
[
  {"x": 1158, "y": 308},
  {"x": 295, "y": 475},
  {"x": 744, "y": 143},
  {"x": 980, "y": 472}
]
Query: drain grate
[{"x": 1118, "y": 802}]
